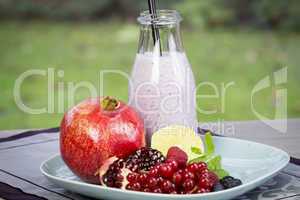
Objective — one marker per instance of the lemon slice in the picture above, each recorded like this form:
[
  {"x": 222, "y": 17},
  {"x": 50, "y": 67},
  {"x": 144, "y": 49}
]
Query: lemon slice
[{"x": 176, "y": 135}]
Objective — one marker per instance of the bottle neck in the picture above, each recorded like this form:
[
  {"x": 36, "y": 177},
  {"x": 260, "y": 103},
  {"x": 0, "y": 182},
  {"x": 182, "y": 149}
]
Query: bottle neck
[{"x": 169, "y": 39}]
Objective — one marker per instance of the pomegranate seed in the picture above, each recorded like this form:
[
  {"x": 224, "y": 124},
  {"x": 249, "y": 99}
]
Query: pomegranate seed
[
  {"x": 119, "y": 177},
  {"x": 160, "y": 180},
  {"x": 146, "y": 190},
  {"x": 152, "y": 182},
  {"x": 157, "y": 190},
  {"x": 136, "y": 186},
  {"x": 118, "y": 184},
  {"x": 174, "y": 192},
  {"x": 132, "y": 177},
  {"x": 153, "y": 172},
  {"x": 129, "y": 186},
  {"x": 142, "y": 178},
  {"x": 182, "y": 192}
]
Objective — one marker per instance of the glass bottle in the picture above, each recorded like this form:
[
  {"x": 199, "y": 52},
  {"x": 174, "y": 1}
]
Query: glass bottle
[{"x": 162, "y": 85}]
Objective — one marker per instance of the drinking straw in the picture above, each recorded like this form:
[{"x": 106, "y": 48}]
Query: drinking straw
[{"x": 155, "y": 30}]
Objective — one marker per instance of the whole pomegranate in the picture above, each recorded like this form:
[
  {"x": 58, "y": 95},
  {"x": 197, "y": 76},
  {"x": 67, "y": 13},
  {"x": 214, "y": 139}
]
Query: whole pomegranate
[{"x": 96, "y": 130}]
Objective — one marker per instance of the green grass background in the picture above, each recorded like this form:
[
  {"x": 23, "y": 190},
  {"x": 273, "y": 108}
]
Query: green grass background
[{"x": 83, "y": 49}]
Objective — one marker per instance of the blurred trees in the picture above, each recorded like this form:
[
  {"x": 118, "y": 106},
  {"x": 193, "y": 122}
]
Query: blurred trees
[{"x": 278, "y": 14}]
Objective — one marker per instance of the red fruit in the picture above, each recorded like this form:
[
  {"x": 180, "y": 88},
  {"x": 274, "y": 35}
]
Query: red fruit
[
  {"x": 132, "y": 177},
  {"x": 146, "y": 190},
  {"x": 173, "y": 164},
  {"x": 134, "y": 186},
  {"x": 213, "y": 177},
  {"x": 188, "y": 175},
  {"x": 205, "y": 183},
  {"x": 204, "y": 172},
  {"x": 152, "y": 182},
  {"x": 177, "y": 178},
  {"x": 202, "y": 190},
  {"x": 95, "y": 130},
  {"x": 193, "y": 167},
  {"x": 142, "y": 178},
  {"x": 175, "y": 153},
  {"x": 165, "y": 171},
  {"x": 132, "y": 169},
  {"x": 157, "y": 190},
  {"x": 174, "y": 192},
  {"x": 167, "y": 186},
  {"x": 188, "y": 184},
  {"x": 201, "y": 166},
  {"x": 153, "y": 172}
]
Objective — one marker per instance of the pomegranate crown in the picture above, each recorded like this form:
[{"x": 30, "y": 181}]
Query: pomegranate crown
[{"x": 109, "y": 103}]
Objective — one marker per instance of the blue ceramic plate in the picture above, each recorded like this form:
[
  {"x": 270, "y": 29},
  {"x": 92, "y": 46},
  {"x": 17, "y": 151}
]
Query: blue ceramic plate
[{"x": 251, "y": 162}]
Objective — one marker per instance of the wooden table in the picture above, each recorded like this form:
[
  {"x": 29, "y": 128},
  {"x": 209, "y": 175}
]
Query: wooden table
[{"x": 21, "y": 154}]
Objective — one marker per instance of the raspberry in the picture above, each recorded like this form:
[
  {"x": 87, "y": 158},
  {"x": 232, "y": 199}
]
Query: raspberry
[{"x": 175, "y": 153}]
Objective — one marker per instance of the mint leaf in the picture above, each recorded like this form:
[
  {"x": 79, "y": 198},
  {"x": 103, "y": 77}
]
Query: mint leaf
[
  {"x": 210, "y": 147},
  {"x": 214, "y": 163},
  {"x": 196, "y": 150},
  {"x": 201, "y": 158},
  {"x": 221, "y": 173}
]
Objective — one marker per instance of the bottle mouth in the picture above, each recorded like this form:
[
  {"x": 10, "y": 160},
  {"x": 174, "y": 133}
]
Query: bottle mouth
[{"x": 163, "y": 17}]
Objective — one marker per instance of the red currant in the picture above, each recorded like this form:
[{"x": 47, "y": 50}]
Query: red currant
[
  {"x": 202, "y": 190},
  {"x": 173, "y": 164},
  {"x": 188, "y": 184},
  {"x": 204, "y": 174},
  {"x": 204, "y": 171},
  {"x": 201, "y": 166},
  {"x": 205, "y": 183},
  {"x": 167, "y": 186},
  {"x": 165, "y": 171},
  {"x": 177, "y": 178},
  {"x": 213, "y": 177},
  {"x": 193, "y": 167},
  {"x": 188, "y": 175}
]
